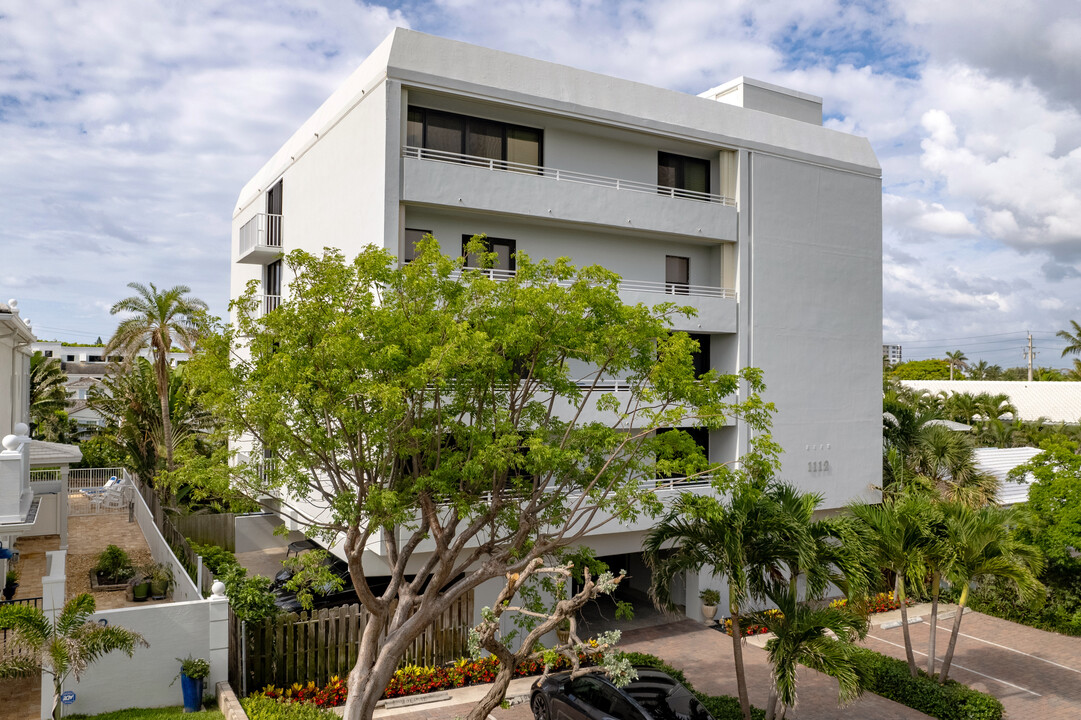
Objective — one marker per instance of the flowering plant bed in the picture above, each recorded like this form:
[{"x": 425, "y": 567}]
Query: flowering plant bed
[
  {"x": 416, "y": 679},
  {"x": 880, "y": 603}
]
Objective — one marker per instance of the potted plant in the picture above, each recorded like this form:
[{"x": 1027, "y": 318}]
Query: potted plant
[
  {"x": 563, "y": 632},
  {"x": 193, "y": 674},
  {"x": 140, "y": 586},
  {"x": 710, "y": 599},
  {"x": 11, "y": 582},
  {"x": 113, "y": 568},
  {"x": 161, "y": 580}
]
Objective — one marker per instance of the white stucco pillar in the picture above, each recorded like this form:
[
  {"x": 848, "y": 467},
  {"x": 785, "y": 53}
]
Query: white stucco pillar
[
  {"x": 218, "y": 651},
  {"x": 62, "y": 507}
]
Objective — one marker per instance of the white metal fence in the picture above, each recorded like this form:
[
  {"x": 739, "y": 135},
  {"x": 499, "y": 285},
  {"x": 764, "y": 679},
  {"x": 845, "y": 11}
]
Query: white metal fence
[{"x": 263, "y": 230}]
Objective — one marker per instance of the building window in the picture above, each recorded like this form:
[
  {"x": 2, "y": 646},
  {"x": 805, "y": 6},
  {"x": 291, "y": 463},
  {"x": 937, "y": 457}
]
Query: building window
[
  {"x": 272, "y": 286},
  {"x": 48, "y": 353},
  {"x": 677, "y": 274},
  {"x": 412, "y": 238},
  {"x": 476, "y": 137},
  {"x": 701, "y": 358},
  {"x": 70, "y": 358},
  {"x": 682, "y": 173},
  {"x": 684, "y": 443},
  {"x": 502, "y": 247},
  {"x": 93, "y": 358}
]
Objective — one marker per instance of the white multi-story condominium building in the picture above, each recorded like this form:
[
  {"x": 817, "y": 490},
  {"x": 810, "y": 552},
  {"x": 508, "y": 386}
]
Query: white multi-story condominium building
[
  {"x": 738, "y": 200},
  {"x": 891, "y": 354}
]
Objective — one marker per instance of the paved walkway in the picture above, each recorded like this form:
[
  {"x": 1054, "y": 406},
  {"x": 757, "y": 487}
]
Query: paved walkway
[
  {"x": 705, "y": 655},
  {"x": 1036, "y": 674}
]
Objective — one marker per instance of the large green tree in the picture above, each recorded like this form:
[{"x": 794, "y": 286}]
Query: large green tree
[
  {"x": 157, "y": 318},
  {"x": 61, "y": 646},
  {"x": 450, "y": 428},
  {"x": 922, "y": 370}
]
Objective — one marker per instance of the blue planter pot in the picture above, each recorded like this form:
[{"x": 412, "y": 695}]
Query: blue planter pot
[{"x": 193, "y": 693}]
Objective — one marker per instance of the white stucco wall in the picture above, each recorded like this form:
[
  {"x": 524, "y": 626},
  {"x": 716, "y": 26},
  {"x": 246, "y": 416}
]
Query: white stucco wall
[{"x": 815, "y": 309}]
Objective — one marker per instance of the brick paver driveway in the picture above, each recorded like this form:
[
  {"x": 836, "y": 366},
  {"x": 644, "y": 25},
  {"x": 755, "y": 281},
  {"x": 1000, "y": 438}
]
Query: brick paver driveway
[{"x": 1036, "y": 674}]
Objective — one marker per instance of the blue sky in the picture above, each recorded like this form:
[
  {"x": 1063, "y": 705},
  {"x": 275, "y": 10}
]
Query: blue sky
[{"x": 128, "y": 128}]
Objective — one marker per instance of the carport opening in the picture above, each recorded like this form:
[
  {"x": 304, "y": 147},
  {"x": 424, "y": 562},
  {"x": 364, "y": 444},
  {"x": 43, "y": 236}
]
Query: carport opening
[{"x": 600, "y": 615}]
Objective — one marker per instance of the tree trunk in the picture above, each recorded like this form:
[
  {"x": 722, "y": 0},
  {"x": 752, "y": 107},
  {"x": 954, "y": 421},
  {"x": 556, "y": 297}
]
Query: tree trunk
[
  {"x": 496, "y": 693},
  {"x": 948, "y": 660},
  {"x": 363, "y": 679},
  {"x": 737, "y": 654},
  {"x": 166, "y": 420},
  {"x": 57, "y": 689},
  {"x": 936, "y": 580},
  {"x": 904, "y": 626},
  {"x": 771, "y": 704}
]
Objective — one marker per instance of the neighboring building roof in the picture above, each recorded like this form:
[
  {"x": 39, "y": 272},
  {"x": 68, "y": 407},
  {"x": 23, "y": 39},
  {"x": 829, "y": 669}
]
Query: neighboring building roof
[
  {"x": 999, "y": 462},
  {"x": 1055, "y": 401},
  {"x": 950, "y": 425},
  {"x": 43, "y": 454}
]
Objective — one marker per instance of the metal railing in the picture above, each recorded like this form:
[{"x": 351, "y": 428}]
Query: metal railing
[
  {"x": 268, "y": 303},
  {"x": 650, "y": 286},
  {"x": 410, "y": 151},
  {"x": 263, "y": 230},
  {"x": 89, "y": 478}
]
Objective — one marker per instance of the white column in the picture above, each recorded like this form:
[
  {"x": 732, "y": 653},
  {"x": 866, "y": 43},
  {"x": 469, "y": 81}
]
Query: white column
[
  {"x": 218, "y": 635},
  {"x": 62, "y": 507},
  {"x": 52, "y": 602}
]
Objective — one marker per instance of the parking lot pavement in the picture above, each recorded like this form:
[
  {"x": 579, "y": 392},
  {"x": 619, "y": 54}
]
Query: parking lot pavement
[{"x": 1035, "y": 673}]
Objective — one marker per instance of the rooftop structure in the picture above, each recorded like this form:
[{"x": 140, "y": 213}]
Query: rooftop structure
[{"x": 1056, "y": 402}]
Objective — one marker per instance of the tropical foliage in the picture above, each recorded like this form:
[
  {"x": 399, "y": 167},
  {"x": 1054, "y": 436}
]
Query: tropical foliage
[
  {"x": 434, "y": 403},
  {"x": 65, "y": 645},
  {"x": 48, "y": 400},
  {"x": 155, "y": 319}
]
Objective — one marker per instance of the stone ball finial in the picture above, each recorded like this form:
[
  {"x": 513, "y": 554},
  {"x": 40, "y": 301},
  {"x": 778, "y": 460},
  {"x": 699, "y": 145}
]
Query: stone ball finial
[
  {"x": 11, "y": 442},
  {"x": 217, "y": 589},
  {"x": 21, "y": 429},
  {"x": 13, "y": 304}
]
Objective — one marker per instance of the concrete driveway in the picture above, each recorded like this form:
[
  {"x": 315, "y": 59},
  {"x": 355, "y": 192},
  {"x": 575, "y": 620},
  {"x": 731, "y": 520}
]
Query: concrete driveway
[{"x": 1036, "y": 674}]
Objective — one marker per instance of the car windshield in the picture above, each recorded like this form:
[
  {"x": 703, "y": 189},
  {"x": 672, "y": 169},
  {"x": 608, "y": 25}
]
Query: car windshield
[{"x": 664, "y": 698}]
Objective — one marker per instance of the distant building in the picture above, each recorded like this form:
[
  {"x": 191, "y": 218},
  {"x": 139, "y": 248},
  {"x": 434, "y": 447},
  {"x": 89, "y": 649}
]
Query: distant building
[
  {"x": 892, "y": 354},
  {"x": 86, "y": 366}
]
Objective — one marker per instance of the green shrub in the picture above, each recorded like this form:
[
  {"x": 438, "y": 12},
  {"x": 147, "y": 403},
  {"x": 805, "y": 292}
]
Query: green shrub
[
  {"x": 217, "y": 559},
  {"x": 889, "y": 677},
  {"x": 113, "y": 562},
  {"x": 260, "y": 707}
]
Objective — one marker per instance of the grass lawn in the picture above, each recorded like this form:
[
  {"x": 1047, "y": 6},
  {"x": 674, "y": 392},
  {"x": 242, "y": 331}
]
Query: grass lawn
[{"x": 210, "y": 712}]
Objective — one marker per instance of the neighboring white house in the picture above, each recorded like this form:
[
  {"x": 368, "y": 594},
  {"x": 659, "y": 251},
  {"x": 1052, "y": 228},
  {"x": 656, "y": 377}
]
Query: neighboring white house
[
  {"x": 892, "y": 354},
  {"x": 1056, "y": 402},
  {"x": 85, "y": 367},
  {"x": 738, "y": 200}
]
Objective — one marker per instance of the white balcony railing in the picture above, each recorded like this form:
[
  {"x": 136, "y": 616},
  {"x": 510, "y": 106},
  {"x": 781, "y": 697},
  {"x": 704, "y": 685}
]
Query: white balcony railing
[
  {"x": 650, "y": 286},
  {"x": 570, "y": 176},
  {"x": 268, "y": 303},
  {"x": 262, "y": 230}
]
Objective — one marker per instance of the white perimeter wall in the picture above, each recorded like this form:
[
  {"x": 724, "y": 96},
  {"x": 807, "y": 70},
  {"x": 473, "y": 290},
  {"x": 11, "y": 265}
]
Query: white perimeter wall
[{"x": 173, "y": 630}]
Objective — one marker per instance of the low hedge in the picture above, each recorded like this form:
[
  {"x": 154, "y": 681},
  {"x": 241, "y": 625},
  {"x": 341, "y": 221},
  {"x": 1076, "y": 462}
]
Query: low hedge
[
  {"x": 261, "y": 707},
  {"x": 889, "y": 677}
]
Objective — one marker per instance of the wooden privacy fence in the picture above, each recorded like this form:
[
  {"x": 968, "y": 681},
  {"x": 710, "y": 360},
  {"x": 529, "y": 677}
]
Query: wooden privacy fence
[
  {"x": 213, "y": 529},
  {"x": 314, "y": 646}
]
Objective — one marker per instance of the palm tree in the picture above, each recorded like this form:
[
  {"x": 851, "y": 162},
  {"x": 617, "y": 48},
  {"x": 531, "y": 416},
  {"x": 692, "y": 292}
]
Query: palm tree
[
  {"x": 895, "y": 535},
  {"x": 802, "y": 636},
  {"x": 1074, "y": 373},
  {"x": 48, "y": 394},
  {"x": 62, "y": 646},
  {"x": 994, "y": 372},
  {"x": 956, "y": 359},
  {"x": 158, "y": 317},
  {"x": 747, "y": 539},
  {"x": 979, "y": 370},
  {"x": 1073, "y": 339},
  {"x": 983, "y": 546},
  {"x": 946, "y": 459}
]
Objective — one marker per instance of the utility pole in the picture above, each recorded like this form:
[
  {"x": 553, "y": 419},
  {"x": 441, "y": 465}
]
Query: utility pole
[{"x": 1029, "y": 354}]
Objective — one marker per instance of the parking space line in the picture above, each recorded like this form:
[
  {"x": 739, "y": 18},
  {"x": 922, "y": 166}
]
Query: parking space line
[
  {"x": 962, "y": 667},
  {"x": 1019, "y": 652}
]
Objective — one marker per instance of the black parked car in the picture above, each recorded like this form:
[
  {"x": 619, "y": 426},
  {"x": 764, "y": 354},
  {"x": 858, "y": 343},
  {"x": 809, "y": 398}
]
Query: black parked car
[{"x": 653, "y": 696}]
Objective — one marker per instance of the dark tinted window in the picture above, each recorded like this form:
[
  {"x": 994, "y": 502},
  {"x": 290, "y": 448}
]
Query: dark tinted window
[
  {"x": 476, "y": 137},
  {"x": 502, "y": 247},
  {"x": 412, "y": 237},
  {"x": 664, "y": 698},
  {"x": 682, "y": 173}
]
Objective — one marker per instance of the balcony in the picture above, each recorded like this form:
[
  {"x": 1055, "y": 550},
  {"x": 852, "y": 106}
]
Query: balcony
[
  {"x": 268, "y": 303},
  {"x": 431, "y": 177},
  {"x": 715, "y": 306},
  {"x": 261, "y": 239}
]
